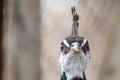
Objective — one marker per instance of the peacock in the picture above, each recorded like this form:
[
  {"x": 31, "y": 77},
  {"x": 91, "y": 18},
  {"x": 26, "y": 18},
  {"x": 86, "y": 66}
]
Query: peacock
[{"x": 74, "y": 55}]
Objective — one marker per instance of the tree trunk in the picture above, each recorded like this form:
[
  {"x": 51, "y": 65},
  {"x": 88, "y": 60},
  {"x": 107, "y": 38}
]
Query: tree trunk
[
  {"x": 22, "y": 40},
  {"x": 1, "y": 39}
]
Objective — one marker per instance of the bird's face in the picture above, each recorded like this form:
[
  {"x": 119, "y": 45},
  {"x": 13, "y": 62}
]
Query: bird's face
[{"x": 75, "y": 47}]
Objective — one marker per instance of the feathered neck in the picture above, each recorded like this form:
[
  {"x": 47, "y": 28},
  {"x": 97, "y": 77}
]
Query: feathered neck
[{"x": 63, "y": 77}]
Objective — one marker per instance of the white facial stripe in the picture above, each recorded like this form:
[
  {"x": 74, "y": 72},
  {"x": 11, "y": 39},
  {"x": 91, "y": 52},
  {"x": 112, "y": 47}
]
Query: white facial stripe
[
  {"x": 84, "y": 42},
  {"x": 66, "y": 43}
]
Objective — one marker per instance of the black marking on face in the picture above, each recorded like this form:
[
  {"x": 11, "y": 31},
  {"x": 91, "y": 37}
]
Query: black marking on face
[
  {"x": 64, "y": 48},
  {"x": 86, "y": 48}
]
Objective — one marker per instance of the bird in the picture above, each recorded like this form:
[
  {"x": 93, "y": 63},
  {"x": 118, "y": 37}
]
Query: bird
[{"x": 74, "y": 58}]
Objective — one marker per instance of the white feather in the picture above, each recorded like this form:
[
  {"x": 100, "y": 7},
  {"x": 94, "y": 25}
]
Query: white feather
[
  {"x": 66, "y": 43},
  {"x": 74, "y": 64},
  {"x": 84, "y": 42}
]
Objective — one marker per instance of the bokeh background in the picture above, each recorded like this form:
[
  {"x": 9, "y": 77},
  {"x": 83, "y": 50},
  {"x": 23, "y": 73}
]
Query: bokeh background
[{"x": 34, "y": 29}]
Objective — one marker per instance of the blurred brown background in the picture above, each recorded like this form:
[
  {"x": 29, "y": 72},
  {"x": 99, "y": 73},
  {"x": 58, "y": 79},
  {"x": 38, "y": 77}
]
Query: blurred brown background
[{"x": 34, "y": 29}]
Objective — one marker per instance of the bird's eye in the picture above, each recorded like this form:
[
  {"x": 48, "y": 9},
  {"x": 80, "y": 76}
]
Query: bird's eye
[
  {"x": 72, "y": 45},
  {"x": 61, "y": 47}
]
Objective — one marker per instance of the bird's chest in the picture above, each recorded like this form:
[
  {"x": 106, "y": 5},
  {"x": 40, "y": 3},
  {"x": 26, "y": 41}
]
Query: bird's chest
[{"x": 74, "y": 63}]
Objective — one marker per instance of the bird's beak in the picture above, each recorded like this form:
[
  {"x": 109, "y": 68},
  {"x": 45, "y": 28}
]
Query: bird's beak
[{"x": 76, "y": 48}]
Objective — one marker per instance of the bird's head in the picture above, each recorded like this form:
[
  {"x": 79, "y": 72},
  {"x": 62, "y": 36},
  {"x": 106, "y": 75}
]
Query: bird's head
[{"x": 74, "y": 44}]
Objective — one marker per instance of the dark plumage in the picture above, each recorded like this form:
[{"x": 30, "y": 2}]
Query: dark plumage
[{"x": 63, "y": 77}]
